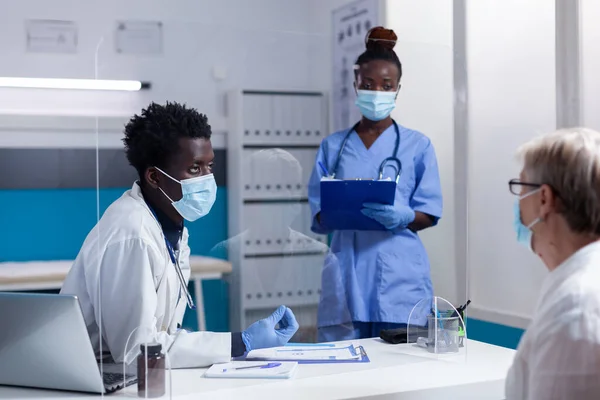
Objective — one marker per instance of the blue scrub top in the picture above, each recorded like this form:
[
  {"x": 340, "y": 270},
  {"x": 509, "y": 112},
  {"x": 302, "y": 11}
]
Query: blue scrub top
[{"x": 377, "y": 276}]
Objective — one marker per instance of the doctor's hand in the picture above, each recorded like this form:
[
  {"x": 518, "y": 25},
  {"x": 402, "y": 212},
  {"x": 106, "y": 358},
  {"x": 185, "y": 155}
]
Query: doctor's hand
[
  {"x": 263, "y": 334},
  {"x": 391, "y": 217}
]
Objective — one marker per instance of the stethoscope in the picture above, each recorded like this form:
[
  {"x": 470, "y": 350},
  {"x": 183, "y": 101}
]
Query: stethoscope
[
  {"x": 394, "y": 159},
  {"x": 175, "y": 261}
]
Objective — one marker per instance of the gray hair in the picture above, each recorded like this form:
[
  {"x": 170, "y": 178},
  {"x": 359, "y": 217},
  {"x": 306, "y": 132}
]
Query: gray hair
[{"x": 568, "y": 161}]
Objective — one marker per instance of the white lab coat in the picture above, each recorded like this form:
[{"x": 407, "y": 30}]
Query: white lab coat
[
  {"x": 124, "y": 277},
  {"x": 559, "y": 354}
]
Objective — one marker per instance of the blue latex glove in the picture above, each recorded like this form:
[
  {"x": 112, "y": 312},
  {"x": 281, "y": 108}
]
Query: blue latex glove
[
  {"x": 391, "y": 217},
  {"x": 262, "y": 334}
]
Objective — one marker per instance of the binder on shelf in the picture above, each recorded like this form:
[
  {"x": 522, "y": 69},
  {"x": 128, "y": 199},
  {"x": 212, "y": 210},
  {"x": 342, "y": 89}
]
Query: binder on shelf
[
  {"x": 342, "y": 201},
  {"x": 270, "y": 259}
]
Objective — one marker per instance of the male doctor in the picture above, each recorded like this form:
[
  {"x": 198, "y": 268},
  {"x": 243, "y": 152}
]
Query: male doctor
[{"x": 132, "y": 271}]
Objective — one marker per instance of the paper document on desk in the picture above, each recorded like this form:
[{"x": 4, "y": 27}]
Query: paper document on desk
[
  {"x": 330, "y": 179},
  {"x": 307, "y": 353},
  {"x": 256, "y": 370}
]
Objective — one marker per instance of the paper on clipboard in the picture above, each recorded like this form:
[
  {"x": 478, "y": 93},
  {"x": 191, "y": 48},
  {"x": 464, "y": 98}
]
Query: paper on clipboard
[
  {"x": 304, "y": 353},
  {"x": 329, "y": 179}
]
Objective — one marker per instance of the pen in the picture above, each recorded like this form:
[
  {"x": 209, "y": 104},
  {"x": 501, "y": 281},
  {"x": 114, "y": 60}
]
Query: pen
[
  {"x": 446, "y": 338},
  {"x": 323, "y": 169},
  {"x": 461, "y": 309},
  {"x": 262, "y": 366}
]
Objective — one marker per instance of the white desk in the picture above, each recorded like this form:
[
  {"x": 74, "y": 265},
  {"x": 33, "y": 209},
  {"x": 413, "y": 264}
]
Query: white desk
[
  {"x": 49, "y": 275},
  {"x": 395, "y": 372}
]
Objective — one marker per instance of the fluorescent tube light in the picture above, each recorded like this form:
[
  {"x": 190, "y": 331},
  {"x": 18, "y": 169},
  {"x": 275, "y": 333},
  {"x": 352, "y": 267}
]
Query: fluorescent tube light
[{"x": 74, "y": 84}]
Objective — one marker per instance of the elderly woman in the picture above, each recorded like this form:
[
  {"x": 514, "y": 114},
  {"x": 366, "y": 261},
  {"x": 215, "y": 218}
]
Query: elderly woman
[{"x": 557, "y": 216}]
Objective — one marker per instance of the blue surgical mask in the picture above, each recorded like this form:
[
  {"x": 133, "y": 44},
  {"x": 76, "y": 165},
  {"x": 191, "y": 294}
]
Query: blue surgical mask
[
  {"x": 524, "y": 232},
  {"x": 375, "y": 105},
  {"x": 199, "y": 195}
]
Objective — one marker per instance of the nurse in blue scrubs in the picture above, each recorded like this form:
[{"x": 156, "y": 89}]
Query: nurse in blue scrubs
[{"x": 371, "y": 280}]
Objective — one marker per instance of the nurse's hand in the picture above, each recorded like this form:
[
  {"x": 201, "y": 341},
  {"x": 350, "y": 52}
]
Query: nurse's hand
[
  {"x": 263, "y": 334},
  {"x": 391, "y": 217}
]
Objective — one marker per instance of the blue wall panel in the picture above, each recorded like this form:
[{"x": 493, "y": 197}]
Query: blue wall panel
[
  {"x": 51, "y": 224},
  {"x": 48, "y": 224},
  {"x": 489, "y": 332}
]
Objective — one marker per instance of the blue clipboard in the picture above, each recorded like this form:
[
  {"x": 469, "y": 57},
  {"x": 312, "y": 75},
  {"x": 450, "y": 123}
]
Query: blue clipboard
[
  {"x": 342, "y": 200},
  {"x": 364, "y": 358}
]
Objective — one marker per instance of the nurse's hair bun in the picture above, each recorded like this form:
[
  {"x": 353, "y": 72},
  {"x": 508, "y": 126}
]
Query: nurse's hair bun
[{"x": 379, "y": 38}]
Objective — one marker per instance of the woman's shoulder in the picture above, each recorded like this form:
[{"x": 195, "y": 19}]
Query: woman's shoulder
[
  {"x": 415, "y": 139},
  {"x": 334, "y": 140},
  {"x": 413, "y": 134},
  {"x": 337, "y": 136}
]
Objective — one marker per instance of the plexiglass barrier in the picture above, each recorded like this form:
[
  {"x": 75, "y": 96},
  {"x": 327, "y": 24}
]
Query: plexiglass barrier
[
  {"x": 246, "y": 106},
  {"x": 189, "y": 207},
  {"x": 265, "y": 150}
]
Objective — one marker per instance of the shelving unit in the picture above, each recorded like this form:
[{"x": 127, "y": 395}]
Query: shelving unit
[{"x": 272, "y": 143}]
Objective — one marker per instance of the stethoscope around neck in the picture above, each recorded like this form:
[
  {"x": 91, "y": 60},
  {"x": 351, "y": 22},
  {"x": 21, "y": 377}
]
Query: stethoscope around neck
[
  {"x": 174, "y": 259},
  {"x": 393, "y": 160}
]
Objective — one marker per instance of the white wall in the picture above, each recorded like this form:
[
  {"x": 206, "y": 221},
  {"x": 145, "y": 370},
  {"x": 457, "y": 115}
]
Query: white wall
[
  {"x": 321, "y": 47},
  {"x": 261, "y": 44},
  {"x": 511, "y": 72},
  {"x": 425, "y": 103},
  {"x": 590, "y": 62}
]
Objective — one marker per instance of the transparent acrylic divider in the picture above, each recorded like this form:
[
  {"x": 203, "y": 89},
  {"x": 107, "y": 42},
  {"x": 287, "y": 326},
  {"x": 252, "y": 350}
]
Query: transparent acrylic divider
[
  {"x": 106, "y": 368},
  {"x": 436, "y": 329},
  {"x": 111, "y": 110},
  {"x": 147, "y": 361}
]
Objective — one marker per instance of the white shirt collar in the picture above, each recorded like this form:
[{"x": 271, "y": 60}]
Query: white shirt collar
[{"x": 578, "y": 262}]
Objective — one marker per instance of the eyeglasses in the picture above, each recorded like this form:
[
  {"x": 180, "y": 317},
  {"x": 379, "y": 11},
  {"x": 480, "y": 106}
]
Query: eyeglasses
[{"x": 515, "y": 185}]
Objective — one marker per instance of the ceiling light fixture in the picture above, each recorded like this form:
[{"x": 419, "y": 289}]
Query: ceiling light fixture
[{"x": 74, "y": 84}]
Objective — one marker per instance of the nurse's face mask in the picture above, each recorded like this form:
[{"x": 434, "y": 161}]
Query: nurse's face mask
[
  {"x": 375, "y": 92},
  {"x": 198, "y": 196},
  {"x": 376, "y": 105},
  {"x": 524, "y": 232}
]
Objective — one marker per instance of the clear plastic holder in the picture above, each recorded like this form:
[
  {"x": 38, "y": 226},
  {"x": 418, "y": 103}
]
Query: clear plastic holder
[{"x": 436, "y": 329}]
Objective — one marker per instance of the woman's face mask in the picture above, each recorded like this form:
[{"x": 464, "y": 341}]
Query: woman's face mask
[
  {"x": 199, "y": 195},
  {"x": 375, "y": 105},
  {"x": 524, "y": 232}
]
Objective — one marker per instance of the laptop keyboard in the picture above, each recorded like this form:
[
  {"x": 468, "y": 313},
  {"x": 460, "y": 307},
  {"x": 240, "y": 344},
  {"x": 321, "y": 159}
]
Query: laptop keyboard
[{"x": 114, "y": 381}]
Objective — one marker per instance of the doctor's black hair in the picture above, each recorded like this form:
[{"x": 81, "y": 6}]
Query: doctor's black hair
[
  {"x": 153, "y": 137},
  {"x": 380, "y": 44}
]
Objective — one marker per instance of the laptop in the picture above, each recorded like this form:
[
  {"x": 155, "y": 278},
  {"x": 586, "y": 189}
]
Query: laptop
[{"x": 44, "y": 344}]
